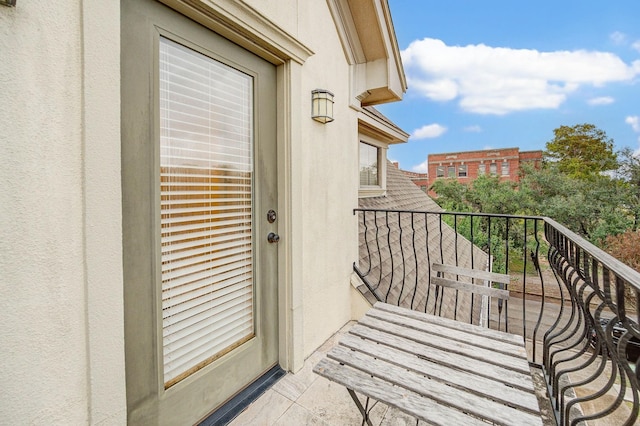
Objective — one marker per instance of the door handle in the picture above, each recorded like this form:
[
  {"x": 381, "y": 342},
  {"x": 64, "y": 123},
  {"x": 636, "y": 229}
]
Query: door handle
[{"x": 273, "y": 237}]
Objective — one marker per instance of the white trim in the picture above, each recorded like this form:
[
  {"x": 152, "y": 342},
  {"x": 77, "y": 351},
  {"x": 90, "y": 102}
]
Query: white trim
[
  {"x": 245, "y": 26},
  {"x": 369, "y": 124},
  {"x": 381, "y": 188},
  {"x": 379, "y": 77}
]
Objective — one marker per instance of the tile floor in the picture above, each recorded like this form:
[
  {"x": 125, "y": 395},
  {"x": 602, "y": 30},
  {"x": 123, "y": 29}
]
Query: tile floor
[{"x": 305, "y": 398}]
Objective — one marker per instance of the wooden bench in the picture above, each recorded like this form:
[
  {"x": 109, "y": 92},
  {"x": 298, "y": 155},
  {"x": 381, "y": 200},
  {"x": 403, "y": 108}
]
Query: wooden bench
[
  {"x": 435, "y": 369},
  {"x": 481, "y": 284},
  {"x": 474, "y": 274}
]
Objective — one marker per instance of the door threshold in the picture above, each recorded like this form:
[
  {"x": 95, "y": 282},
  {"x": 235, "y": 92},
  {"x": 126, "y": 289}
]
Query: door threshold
[{"x": 228, "y": 411}]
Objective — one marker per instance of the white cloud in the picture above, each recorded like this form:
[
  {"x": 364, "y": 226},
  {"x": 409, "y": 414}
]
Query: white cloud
[
  {"x": 497, "y": 80},
  {"x": 636, "y": 45},
  {"x": 422, "y": 167},
  {"x": 429, "y": 131},
  {"x": 634, "y": 122},
  {"x": 617, "y": 37},
  {"x": 603, "y": 100},
  {"x": 473, "y": 129},
  {"x": 487, "y": 147}
]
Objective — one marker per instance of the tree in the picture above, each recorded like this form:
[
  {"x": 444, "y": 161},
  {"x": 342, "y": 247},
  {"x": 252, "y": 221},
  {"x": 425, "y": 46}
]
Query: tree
[
  {"x": 590, "y": 208},
  {"x": 626, "y": 248},
  {"x": 629, "y": 172},
  {"x": 486, "y": 194},
  {"x": 582, "y": 151},
  {"x": 451, "y": 195}
]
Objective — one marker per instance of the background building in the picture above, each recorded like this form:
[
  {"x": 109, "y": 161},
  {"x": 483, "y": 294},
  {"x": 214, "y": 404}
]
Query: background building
[{"x": 468, "y": 165}]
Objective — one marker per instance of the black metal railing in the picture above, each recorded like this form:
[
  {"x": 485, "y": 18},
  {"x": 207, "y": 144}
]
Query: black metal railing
[{"x": 575, "y": 305}]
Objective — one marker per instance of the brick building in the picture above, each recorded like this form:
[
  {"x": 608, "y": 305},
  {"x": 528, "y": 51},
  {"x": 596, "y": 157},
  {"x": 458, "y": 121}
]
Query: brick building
[{"x": 468, "y": 165}]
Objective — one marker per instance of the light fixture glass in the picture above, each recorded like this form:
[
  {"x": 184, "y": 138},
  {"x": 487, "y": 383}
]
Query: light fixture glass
[{"x": 322, "y": 105}]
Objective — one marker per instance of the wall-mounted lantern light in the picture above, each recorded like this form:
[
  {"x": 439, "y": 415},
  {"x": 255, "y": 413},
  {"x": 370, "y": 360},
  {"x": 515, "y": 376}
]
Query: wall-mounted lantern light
[
  {"x": 7, "y": 2},
  {"x": 322, "y": 105}
]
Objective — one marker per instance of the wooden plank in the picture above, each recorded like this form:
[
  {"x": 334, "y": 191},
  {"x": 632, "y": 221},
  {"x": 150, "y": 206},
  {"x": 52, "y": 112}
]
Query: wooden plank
[
  {"x": 472, "y": 273},
  {"x": 479, "y": 406},
  {"x": 516, "y": 363},
  {"x": 447, "y": 358},
  {"x": 405, "y": 400},
  {"x": 471, "y": 339},
  {"x": 473, "y": 288},
  {"x": 464, "y": 381},
  {"x": 453, "y": 324}
]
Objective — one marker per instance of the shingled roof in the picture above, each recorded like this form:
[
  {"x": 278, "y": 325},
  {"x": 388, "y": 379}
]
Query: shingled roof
[{"x": 396, "y": 250}]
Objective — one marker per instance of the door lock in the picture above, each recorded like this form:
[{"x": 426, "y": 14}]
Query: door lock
[
  {"x": 273, "y": 237},
  {"x": 271, "y": 216}
]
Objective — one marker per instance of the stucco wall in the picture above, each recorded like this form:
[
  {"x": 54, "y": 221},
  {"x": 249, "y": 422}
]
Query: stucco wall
[
  {"x": 329, "y": 176},
  {"x": 52, "y": 276},
  {"x": 331, "y": 183},
  {"x": 61, "y": 309}
]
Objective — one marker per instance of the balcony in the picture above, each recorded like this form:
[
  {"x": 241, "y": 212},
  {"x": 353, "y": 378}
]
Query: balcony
[{"x": 575, "y": 305}]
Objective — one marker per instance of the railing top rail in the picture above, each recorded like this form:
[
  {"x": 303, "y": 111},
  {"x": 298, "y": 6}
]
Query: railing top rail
[
  {"x": 621, "y": 270},
  {"x": 450, "y": 213}
]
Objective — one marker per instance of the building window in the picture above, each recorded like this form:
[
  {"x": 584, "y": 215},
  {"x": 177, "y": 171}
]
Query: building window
[
  {"x": 451, "y": 171},
  {"x": 423, "y": 188},
  {"x": 493, "y": 169},
  {"x": 440, "y": 171},
  {"x": 372, "y": 168},
  {"x": 369, "y": 165},
  {"x": 462, "y": 170},
  {"x": 481, "y": 169},
  {"x": 505, "y": 169}
]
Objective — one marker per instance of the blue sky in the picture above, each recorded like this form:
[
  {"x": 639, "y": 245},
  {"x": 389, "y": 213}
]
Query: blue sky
[{"x": 505, "y": 73}]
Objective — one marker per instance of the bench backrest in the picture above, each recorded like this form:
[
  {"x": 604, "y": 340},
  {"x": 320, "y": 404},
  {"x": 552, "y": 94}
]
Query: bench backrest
[{"x": 476, "y": 274}]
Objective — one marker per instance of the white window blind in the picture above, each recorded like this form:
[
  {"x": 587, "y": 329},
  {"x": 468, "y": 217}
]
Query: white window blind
[{"x": 206, "y": 167}]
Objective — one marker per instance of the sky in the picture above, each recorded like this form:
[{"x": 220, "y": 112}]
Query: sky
[{"x": 486, "y": 74}]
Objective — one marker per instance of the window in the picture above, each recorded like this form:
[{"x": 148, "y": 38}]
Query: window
[
  {"x": 505, "y": 169},
  {"x": 451, "y": 171},
  {"x": 440, "y": 171},
  {"x": 423, "y": 188},
  {"x": 462, "y": 170},
  {"x": 493, "y": 169},
  {"x": 368, "y": 165},
  {"x": 481, "y": 169},
  {"x": 372, "y": 167},
  {"x": 205, "y": 209}
]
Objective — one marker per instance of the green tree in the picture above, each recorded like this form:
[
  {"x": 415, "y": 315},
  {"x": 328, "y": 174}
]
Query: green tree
[
  {"x": 486, "y": 194},
  {"x": 590, "y": 208},
  {"x": 451, "y": 195},
  {"x": 582, "y": 151},
  {"x": 629, "y": 173},
  {"x": 489, "y": 194}
]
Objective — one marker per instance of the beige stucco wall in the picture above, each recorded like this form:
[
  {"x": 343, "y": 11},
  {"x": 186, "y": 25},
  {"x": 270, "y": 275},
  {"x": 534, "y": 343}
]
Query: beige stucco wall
[
  {"x": 60, "y": 274},
  {"x": 329, "y": 154},
  {"x": 331, "y": 183}
]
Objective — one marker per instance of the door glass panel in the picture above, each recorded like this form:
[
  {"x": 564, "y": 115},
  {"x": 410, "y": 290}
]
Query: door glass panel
[{"x": 206, "y": 181}]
